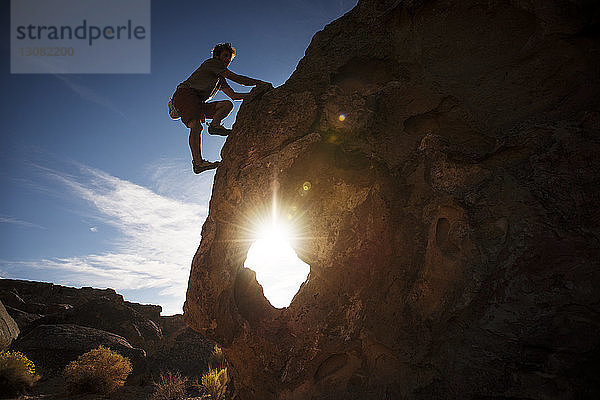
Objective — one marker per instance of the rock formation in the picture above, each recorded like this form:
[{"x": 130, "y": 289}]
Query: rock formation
[
  {"x": 182, "y": 349},
  {"x": 52, "y": 347},
  {"x": 59, "y": 323},
  {"x": 110, "y": 316},
  {"x": 9, "y": 330},
  {"x": 451, "y": 223}
]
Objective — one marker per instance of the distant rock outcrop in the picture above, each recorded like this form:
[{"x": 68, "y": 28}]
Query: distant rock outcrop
[
  {"x": 9, "y": 330},
  {"x": 46, "y": 298},
  {"x": 110, "y": 316},
  {"x": 52, "y": 347},
  {"x": 59, "y": 323},
  {"x": 183, "y": 349},
  {"x": 451, "y": 221}
]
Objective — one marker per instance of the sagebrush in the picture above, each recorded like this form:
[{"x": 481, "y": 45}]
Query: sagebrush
[
  {"x": 17, "y": 373},
  {"x": 215, "y": 382},
  {"x": 99, "y": 370},
  {"x": 170, "y": 386}
]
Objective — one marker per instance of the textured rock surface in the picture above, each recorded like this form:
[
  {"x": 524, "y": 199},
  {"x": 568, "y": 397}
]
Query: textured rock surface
[
  {"x": 110, "y": 316},
  {"x": 183, "y": 349},
  {"x": 37, "y": 303},
  {"x": 52, "y": 347},
  {"x": 452, "y": 221},
  {"x": 22, "y": 318},
  {"x": 9, "y": 329},
  {"x": 71, "y": 320},
  {"x": 47, "y": 298}
]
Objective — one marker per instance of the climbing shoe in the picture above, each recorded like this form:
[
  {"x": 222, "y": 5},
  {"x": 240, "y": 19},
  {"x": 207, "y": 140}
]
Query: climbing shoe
[
  {"x": 218, "y": 130},
  {"x": 203, "y": 165}
]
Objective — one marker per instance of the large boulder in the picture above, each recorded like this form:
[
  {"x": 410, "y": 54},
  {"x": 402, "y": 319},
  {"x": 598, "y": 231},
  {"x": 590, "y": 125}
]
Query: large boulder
[
  {"x": 111, "y": 316},
  {"x": 52, "y": 347},
  {"x": 451, "y": 223},
  {"x": 9, "y": 296},
  {"x": 22, "y": 318},
  {"x": 183, "y": 350},
  {"x": 9, "y": 330},
  {"x": 54, "y": 322},
  {"x": 38, "y": 303}
]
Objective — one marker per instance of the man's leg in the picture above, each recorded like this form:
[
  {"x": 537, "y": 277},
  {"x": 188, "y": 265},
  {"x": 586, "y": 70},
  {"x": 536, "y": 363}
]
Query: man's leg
[
  {"x": 196, "y": 140},
  {"x": 223, "y": 108},
  {"x": 198, "y": 163}
]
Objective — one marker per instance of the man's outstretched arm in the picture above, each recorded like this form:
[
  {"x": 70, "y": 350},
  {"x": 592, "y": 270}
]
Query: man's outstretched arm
[
  {"x": 234, "y": 95},
  {"x": 241, "y": 79}
]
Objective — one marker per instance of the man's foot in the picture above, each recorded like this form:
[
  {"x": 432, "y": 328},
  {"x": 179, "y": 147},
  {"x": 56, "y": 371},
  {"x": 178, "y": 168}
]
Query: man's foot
[
  {"x": 204, "y": 165},
  {"x": 218, "y": 130}
]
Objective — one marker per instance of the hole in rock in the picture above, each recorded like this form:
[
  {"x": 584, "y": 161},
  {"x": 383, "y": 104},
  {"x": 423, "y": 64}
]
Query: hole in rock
[{"x": 278, "y": 269}]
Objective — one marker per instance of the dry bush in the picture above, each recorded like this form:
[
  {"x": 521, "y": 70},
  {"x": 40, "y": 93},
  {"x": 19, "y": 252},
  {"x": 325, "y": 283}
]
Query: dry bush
[
  {"x": 218, "y": 358},
  {"x": 171, "y": 386},
  {"x": 98, "y": 371},
  {"x": 215, "y": 382},
  {"x": 17, "y": 373}
]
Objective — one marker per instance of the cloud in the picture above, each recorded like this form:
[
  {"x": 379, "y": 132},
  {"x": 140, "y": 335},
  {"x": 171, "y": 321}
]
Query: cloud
[
  {"x": 88, "y": 94},
  {"x": 158, "y": 234},
  {"x": 6, "y": 219},
  {"x": 172, "y": 178}
]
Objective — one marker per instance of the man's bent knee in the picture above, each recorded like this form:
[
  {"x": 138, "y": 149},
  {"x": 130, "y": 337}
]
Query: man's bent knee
[{"x": 195, "y": 124}]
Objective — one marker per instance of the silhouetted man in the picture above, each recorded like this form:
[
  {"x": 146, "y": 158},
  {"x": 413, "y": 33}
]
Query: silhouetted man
[{"x": 190, "y": 100}]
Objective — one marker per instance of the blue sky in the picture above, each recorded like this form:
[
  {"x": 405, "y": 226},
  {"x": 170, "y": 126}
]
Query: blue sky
[{"x": 97, "y": 187}]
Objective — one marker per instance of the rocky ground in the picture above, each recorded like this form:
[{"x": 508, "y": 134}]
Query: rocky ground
[
  {"x": 52, "y": 325},
  {"x": 53, "y": 389}
]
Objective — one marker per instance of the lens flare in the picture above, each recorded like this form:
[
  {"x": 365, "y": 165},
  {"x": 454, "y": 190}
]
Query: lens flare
[
  {"x": 273, "y": 230},
  {"x": 278, "y": 269}
]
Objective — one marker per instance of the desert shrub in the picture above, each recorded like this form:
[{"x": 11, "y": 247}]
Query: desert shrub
[
  {"x": 99, "y": 370},
  {"x": 218, "y": 358},
  {"x": 17, "y": 373},
  {"x": 171, "y": 386},
  {"x": 215, "y": 382}
]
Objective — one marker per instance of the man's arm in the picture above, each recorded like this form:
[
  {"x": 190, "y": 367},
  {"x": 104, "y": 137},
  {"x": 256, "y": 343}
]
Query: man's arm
[
  {"x": 241, "y": 79},
  {"x": 234, "y": 95}
]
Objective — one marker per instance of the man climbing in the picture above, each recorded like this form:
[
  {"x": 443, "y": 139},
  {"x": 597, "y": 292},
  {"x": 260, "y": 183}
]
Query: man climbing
[{"x": 190, "y": 100}]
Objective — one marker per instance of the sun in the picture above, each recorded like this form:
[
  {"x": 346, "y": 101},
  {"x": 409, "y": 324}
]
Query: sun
[{"x": 278, "y": 269}]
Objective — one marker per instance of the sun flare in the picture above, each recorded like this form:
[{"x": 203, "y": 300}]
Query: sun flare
[{"x": 278, "y": 269}]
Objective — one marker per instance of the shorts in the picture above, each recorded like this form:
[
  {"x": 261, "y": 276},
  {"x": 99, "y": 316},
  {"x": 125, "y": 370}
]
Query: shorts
[{"x": 191, "y": 106}]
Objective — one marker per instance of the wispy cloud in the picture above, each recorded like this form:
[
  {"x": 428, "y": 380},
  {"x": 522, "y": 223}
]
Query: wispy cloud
[
  {"x": 6, "y": 219},
  {"x": 171, "y": 178},
  {"x": 89, "y": 94},
  {"x": 159, "y": 233}
]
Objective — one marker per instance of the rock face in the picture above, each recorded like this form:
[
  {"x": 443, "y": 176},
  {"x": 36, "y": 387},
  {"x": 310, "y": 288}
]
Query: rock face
[
  {"x": 46, "y": 298},
  {"x": 9, "y": 330},
  {"x": 59, "y": 323},
  {"x": 451, "y": 222},
  {"x": 110, "y": 316},
  {"x": 38, "y": 303},
  {"x": 52, "y": 347},
  {"x": 182, "y": 349}
]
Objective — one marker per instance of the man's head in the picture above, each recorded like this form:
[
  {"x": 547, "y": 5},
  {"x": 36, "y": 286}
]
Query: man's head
[{"x": 224, "y": 52}]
